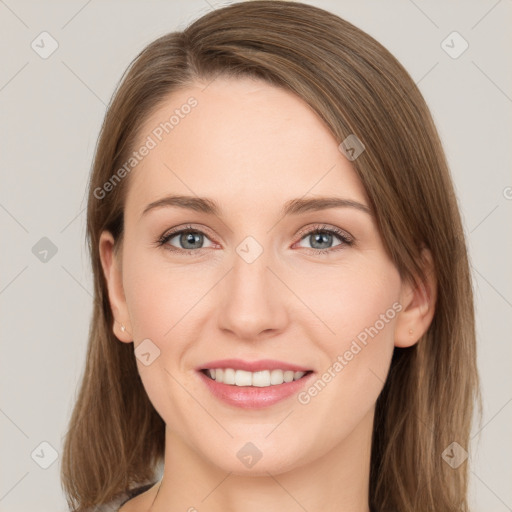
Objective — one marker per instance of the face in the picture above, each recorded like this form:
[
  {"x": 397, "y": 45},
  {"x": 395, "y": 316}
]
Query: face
[{"x": 257, "y": 278}]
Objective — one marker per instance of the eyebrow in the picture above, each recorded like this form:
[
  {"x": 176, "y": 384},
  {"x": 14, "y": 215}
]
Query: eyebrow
[{"x": 292, "y": 207}]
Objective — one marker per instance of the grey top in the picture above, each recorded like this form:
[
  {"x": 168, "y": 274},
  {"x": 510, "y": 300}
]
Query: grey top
[
  {"x": 135, "y": 492},
  {"x": 116, "y": 504}
]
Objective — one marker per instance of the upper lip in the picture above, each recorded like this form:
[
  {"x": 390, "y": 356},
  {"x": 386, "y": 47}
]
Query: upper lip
[{"x": 253, "y": 366}]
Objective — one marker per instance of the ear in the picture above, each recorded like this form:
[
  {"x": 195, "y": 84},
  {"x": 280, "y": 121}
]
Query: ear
[
  {"x": 418, "y": 302},
  {"x": 110, "y": 261}
]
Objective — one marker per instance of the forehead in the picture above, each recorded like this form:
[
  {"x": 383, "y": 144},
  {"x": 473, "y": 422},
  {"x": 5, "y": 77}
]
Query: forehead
[{"x": 242, "y": 141}]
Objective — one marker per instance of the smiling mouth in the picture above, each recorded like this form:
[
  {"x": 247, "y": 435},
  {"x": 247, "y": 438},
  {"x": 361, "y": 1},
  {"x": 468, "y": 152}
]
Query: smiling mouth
[{"x": 261, "y": 379}]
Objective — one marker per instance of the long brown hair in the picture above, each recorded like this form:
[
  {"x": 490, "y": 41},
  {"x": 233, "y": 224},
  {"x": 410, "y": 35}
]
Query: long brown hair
[{"x": 116, "y": 438}]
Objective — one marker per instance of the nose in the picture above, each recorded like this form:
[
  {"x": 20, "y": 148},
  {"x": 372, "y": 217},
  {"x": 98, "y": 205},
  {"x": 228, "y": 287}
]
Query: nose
[{"x": 253, "y": 301}]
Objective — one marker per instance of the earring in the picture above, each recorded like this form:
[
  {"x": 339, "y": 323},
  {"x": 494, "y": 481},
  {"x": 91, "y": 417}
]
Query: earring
[
  {"x": 410, "y": 331},
  {"x": 123, "y": 328}
]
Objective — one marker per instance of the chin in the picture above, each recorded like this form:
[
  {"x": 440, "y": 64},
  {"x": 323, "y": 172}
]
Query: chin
[{"x": 258, "y": 457}]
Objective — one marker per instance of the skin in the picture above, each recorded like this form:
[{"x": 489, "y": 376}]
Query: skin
[{"x": 251, "y": 147}]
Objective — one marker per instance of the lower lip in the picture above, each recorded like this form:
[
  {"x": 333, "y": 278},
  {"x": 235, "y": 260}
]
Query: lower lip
[{"x": 252, "y": 397}]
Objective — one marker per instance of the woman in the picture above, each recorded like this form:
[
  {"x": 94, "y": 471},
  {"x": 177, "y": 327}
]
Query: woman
[{"x": 273, "y": 225}]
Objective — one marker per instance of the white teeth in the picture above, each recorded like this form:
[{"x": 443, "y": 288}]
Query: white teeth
[
  {"x": 243, "y": 378},
  {"x": 276, "y": 377},
  {"x": 288, "y": 376},
  {"x": 229, "y": 376},
  {"x": 259, "y": 379}
]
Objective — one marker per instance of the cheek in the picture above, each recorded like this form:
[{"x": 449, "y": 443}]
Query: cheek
[
  {"x": 160, "y": 300},
  {"x": 360, "y": 307},
  {"x": 352, "y": 301},
  {"x": 164, "y": 303},
  {"x": 161, "y": 296}
]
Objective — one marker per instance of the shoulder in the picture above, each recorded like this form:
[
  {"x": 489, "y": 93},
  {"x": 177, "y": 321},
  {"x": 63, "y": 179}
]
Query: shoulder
[
  {"x": 116, "y": 504},
  {"x": 132, "y": 493}
]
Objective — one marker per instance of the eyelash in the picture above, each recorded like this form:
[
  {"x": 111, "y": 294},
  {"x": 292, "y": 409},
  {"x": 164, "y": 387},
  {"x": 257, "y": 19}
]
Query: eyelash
[{"x": 345, "y": 239}]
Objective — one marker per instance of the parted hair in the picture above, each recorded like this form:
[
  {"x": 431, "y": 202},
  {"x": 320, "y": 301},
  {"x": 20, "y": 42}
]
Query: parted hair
[{"x": 115, "y": 438}]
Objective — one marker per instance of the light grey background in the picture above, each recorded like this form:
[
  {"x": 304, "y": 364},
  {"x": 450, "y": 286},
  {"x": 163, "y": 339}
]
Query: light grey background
[{"x": 51, "y": 112}]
